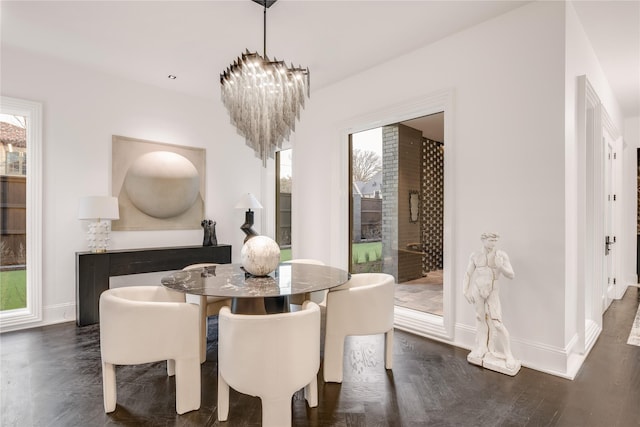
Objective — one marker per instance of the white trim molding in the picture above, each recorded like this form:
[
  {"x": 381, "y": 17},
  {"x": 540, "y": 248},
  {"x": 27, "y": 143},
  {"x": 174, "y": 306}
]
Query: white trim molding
[
  {"x": 420, "y": 323},
  {"x": 563, "y": 362},
  {"x": 425, "y": 324},
  {"x": 19, "y": 318}
]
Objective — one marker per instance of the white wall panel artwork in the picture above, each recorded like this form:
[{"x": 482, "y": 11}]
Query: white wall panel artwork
[{"x": 159, "y": 186}]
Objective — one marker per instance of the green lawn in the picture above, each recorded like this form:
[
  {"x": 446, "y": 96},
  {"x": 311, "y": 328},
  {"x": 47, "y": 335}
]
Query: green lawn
[
  {"x": 359, "y": 252},
  {"x": 13, "y": 289},
  {"x": 285, "y": 254}
]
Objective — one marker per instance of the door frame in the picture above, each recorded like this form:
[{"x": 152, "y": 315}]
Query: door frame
[
  {"x": 440, "y": 328},
  {"x": 610, "y": 133},
  {"x": 609, "y": 270},
  {"x": 592, "y": 122}
]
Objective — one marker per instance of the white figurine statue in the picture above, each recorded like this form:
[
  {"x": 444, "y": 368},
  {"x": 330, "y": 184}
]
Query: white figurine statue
[{"x": 492, "y": 336}]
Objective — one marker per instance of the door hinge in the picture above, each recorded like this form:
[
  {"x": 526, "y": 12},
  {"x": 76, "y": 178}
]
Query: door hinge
[
  {"x": 614, "y": 197},
  {"x": 615, "y": 156},
  {"x": 614, "y": 280}
]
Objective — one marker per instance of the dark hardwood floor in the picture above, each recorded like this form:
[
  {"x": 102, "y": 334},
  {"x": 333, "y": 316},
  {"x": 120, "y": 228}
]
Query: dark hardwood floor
[{"x": 51, "y": 376}]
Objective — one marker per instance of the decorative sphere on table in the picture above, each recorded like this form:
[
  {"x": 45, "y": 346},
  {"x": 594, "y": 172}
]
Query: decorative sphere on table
[{"x": 260, "y": 255}]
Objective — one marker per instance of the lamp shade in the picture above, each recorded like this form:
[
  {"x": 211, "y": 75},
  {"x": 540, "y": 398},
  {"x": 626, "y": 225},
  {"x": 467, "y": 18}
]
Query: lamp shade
[
  {"x": 98, "y": 207},
  {"x": 248, "y": 201}
]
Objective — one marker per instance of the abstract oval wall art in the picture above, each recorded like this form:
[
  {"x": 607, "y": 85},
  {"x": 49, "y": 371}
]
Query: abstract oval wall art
[
  {"x": 162, "y": 176},
  {"x": 159, "y": 186}
]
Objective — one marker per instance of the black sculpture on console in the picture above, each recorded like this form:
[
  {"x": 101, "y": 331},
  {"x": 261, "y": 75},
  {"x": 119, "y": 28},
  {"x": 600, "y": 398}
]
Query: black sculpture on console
[{"x": 210, "y": 238}]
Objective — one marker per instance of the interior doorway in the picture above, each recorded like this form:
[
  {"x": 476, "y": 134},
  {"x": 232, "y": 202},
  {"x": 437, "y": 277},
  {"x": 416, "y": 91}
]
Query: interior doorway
[
  {"x": 610, "y": 223},
  {"x": 397, "y": 208},
  {"x": 598, "y": 221}
]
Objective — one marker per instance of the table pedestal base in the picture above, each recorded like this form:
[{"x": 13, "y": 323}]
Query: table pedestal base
[{"x": 267, "y": 305}]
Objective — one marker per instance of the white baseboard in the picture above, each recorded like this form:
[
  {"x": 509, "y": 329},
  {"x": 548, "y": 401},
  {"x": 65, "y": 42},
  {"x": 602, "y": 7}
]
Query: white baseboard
[
  {"x": 592, "y": 333},
  {"x": 60, "y": 313},
  {"x": 563, "y": 362},
  {"x": 51, "y": 315},
  {"x": 558, "y": 361}
]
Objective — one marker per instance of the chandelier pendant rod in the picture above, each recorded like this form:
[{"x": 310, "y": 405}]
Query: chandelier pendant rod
[{"x": 264, "y": 31}]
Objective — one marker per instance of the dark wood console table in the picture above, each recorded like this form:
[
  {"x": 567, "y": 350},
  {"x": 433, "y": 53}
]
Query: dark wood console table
[{"x": 94, "y": 269}]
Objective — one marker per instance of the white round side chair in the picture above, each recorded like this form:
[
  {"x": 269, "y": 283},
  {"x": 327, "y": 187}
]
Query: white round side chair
[
  {"x": 270, "y": 356},
  {"x": 364, "y": 305},
  {"x": 143, "y": 324}
]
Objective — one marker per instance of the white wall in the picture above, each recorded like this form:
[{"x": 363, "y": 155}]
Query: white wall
[
  {"x": 508, "y": 160},
  {"x": 82, "y": 109},
  {"x": 580, "y": 60}
]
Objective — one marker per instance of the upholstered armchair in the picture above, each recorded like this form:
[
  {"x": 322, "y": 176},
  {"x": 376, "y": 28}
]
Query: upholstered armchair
[
  {"x": 209, "y": 306},
  {"x": 143, "y": 324},
  {"x": 362, "y": 306},
  {"x": 270, "y": 356}
]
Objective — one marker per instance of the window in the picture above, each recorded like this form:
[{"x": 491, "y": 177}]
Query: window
[
  {"x": 283, "y": 202},
  {"x": 21, "y": 213}
]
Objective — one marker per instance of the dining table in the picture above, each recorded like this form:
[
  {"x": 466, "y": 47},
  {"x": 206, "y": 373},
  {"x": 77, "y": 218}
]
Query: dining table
[{"x": 251, "y": 294}]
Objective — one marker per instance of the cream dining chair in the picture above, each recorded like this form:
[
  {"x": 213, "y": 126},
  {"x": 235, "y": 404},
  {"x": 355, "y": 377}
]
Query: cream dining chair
[
  {"x": 270, "y": 356},
  {"x": 143, "y": 324},
  {"x": 362, "y": 306},
  {"x": 209, "y": 306}
]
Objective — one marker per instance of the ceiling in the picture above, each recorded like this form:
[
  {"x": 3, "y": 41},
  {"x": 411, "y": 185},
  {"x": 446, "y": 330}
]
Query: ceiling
[
  {"x": 613, "y": 28},
  {"x": 196, "y": 40}
]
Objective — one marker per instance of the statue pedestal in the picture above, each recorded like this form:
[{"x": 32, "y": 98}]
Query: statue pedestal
[{"x": 494, "y": 363}]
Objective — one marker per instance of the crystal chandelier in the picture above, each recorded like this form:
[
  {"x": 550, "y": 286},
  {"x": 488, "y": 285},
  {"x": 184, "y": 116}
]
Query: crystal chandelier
[{"x": 264, "y": 97}]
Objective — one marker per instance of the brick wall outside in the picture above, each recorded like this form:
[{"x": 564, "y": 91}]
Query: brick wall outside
[
  {"x": 411, "y": 163},
  {"x": 409, "y": 180},
  {"x": 390, "y": 200}
]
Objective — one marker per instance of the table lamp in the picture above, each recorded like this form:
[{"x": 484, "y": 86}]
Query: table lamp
[
  {"x": 100, "y": 210},
  {"x": 248, "y": 201}
]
